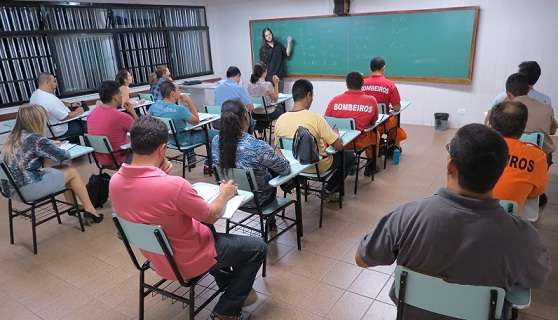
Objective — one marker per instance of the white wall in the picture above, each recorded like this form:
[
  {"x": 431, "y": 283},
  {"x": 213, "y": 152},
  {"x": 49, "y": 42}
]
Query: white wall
[{"x": 510, "y": 31}]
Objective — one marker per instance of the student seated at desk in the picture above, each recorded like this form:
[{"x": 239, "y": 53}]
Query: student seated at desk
[
  {"x": 160, "y": 75},
  {"x": 532, "y": 71},
  {"x": 259, "y": 87},
  {"x": 124, "y": 79},
  {"x": 24, "y": 154},
  {"x": 182, "y": 116},
  {"x": 461, "y": 234},
  {"x": 57, "y": 109},
  {"x": 107, "y": 121},
  {"x": 526, "y": 173},
  {"x": 301, "y": 116},
  {"x": 386, "y": 93},
  {"x": 357, "y": 105},
  {"x": 145, "y": 192},
  {"x": 230, "y": 89},
  {"x": 235, "y": 148}
]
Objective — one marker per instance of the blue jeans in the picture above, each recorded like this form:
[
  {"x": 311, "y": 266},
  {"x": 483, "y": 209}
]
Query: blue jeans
[{"x": 244, "y": 255}]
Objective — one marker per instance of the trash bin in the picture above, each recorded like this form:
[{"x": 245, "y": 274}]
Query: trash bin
[{"x": 441, "y": 121}]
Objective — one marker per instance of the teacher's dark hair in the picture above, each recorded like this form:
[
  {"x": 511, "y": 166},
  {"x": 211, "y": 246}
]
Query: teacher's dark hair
[
  {"x": 257, "y": 72},
  {"x": 480, "y": 155},
  {"x": 263, "y": 35},
  {"x": 509, "y": 118},
  {"x": 233, "y": 72},
  {"x": 354, "y": 81},
  {"x": 232, "y": 115},
  {"x": 301, "y": 88},
  {"x": 147, "y": 134},
  {"x": 531, "y": 70}
]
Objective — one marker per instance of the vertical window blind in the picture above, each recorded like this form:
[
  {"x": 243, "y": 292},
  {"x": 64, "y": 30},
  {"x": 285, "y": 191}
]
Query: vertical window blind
[{"x": 85, "y": 44}]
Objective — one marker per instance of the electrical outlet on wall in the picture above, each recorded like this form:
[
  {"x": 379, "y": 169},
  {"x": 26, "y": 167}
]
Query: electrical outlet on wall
[{"x": 461, "y": 111}]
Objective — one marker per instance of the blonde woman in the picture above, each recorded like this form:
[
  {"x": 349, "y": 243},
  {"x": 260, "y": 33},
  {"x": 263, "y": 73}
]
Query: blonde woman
[
  {"x": 24, "y": 153},
  {"x": 161, "y": 74}
]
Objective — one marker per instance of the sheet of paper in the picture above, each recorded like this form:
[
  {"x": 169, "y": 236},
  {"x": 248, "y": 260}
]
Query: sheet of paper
[
  {"x": 66, "y": 145},
  {"x": 205, "y": 116},
  {"x": 232, "y": 206},
  {"x": 207, "y": 191}
]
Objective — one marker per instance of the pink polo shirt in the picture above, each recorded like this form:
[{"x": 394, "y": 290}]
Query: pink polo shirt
[
  {"x": 149, "y": 195},
  {"x": 115, "y": 125}
]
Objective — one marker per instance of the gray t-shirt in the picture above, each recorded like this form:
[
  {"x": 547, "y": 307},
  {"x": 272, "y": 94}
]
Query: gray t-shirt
[{"x": 461, "y": 240}]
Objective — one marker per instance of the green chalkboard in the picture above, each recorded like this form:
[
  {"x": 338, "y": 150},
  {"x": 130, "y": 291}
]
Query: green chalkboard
[{"x": 436, "y": 45}]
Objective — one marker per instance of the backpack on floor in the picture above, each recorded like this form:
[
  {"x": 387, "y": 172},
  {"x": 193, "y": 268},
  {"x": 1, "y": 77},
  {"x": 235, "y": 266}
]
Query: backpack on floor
[
  {"x": 98, "y": 189},
  {"x": 305, "y": 147}
]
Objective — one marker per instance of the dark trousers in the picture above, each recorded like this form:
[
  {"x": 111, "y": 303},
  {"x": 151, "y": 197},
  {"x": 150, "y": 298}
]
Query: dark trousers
[
  {"x": 333, "y": 182},
  {"x": 244, "y": 255},
  {"x": 75, "y": 129}
]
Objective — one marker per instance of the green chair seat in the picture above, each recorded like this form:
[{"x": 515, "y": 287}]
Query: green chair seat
[
  {"x": 183, "y": 146},
  {"x": 520, "y": 298},
  {"x": 276, "y": 205}
]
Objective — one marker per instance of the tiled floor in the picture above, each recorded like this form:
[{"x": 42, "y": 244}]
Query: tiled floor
[{"x": 89, "y": 275}]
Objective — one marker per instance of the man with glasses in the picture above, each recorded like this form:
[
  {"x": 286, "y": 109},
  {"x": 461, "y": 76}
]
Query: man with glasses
[{"x": 461, "y": 234}]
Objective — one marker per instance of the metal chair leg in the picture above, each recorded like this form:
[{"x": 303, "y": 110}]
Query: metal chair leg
[
  {"x": 183, "y": 165},
  {"x": 191, "y": 304},
  {"x": 11, "y": 219},
  {"x": 34, "y": 228},
  {"x": 55, "y": 208},
  {"x": 357, "y": 171},
  {"x": 322, "y": 195},
  {"x": 141, "y": 295}
]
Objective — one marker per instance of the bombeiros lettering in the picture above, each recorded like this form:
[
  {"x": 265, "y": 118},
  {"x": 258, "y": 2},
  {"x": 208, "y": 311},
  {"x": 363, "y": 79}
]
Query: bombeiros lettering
[
  {"x": 352, "y": 107},
  {"x": 521, "y": 163},
  {"x": 375, "y": 88}
]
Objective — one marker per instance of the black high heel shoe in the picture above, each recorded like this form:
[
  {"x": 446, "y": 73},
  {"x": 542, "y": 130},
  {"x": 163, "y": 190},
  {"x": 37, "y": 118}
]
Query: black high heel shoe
[{"x": 96, "y": 219}]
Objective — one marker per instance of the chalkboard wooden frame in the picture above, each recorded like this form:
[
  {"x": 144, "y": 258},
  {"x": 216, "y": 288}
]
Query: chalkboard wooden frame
[{"x": 472, "y": 53}]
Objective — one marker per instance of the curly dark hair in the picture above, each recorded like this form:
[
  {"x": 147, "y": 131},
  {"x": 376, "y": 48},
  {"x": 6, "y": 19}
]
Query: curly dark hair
[{"x": 232, "y": 115}]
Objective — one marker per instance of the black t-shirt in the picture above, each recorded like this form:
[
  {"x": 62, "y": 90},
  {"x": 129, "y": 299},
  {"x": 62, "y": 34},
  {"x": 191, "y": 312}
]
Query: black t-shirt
[{"x": 274, "y": 59}]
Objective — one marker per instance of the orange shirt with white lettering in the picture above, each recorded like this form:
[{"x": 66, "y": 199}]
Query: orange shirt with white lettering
[
  {"x": 356, "y": 105},
  {"x": 525, "y": 175}
]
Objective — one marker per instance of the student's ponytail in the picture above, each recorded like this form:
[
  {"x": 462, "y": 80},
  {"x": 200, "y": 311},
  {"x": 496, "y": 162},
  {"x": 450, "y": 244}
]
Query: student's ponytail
[
  {"x": 232, "y": 114},
  {"x": 257, "y": 72}
]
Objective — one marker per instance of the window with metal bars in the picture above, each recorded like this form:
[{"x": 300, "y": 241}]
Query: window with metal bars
[{"x": 85, "y": 44}]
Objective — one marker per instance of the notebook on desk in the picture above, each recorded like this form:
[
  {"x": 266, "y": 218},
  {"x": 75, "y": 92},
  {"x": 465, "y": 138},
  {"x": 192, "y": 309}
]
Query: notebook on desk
[{"x": 210, "y": 192}]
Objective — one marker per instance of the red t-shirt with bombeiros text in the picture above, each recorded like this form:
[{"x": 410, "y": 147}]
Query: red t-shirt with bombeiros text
[
  {"x": 356, "y": 105},
  {"x": 383, "y": 89}
]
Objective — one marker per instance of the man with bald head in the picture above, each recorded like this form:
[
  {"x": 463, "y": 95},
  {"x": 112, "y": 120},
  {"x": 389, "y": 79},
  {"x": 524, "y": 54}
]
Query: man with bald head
[
  {"x": 526, "y": 174},
  {"x": 57, "y": 109}
]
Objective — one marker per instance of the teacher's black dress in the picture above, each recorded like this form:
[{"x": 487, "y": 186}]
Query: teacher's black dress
[{"x": 274, "y": 59}]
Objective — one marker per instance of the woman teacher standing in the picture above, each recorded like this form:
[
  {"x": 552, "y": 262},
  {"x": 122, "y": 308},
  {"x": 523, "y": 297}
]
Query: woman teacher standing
[{"x": 273, "y": 54}]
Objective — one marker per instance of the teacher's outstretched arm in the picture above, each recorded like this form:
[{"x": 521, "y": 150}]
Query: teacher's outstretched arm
[{"x": 289, "y": 45}]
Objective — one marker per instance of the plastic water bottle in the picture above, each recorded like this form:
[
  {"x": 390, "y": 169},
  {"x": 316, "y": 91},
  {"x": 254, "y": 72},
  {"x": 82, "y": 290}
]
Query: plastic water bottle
[{"x": 395, "y": 157}]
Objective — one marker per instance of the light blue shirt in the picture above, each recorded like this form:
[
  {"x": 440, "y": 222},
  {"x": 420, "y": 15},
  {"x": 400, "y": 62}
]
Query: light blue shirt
[
  {"x": 231, "y": 90},
  {"x": 180, "y": 115},
  {"x": 540, "y": 97}
]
